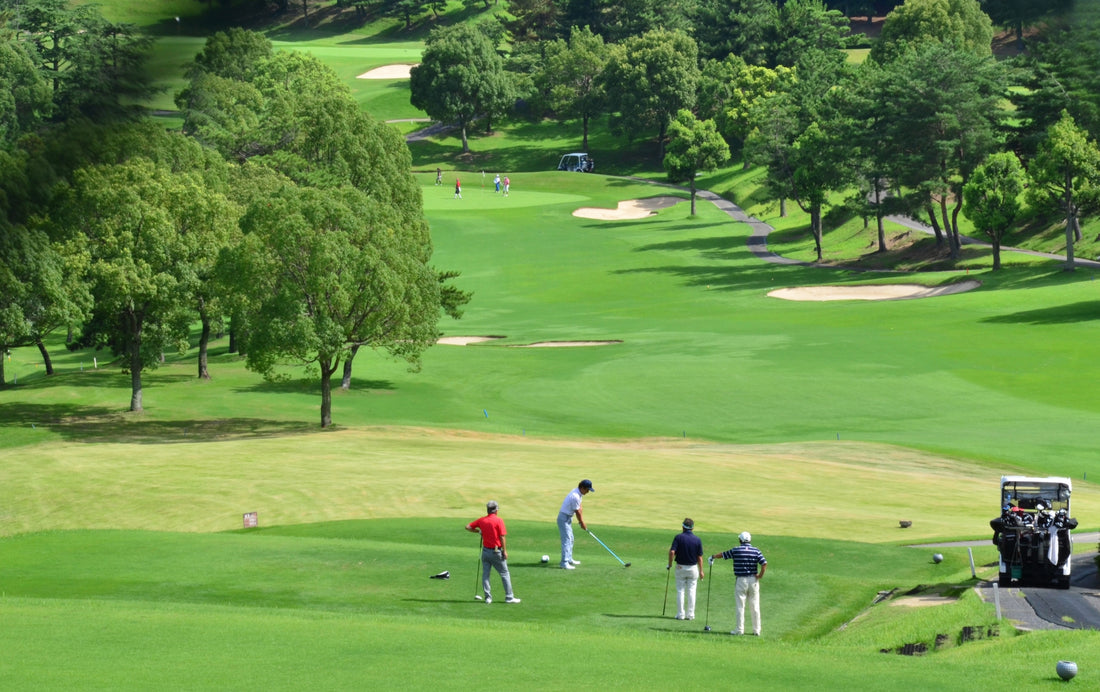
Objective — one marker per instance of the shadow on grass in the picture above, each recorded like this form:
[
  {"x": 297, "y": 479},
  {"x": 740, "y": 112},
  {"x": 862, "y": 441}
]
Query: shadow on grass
[
  {"x": 1084, "y": 311},
  {"x": 99, "y": 424},
  {"x": 312, "y": 386}
]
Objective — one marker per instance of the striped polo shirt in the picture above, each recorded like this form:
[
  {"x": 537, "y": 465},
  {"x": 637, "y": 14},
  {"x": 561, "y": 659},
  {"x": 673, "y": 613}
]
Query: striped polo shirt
[{"x": 745, "y": 559}]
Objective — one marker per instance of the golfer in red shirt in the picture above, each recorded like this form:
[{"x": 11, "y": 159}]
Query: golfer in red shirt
[{"x": 494, "y": 552}]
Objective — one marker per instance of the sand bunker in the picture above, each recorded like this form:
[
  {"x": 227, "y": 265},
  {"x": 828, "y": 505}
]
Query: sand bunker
[
  {"x": 887, "y": 292},
  {"x": 630, "y": 209},
  {"x": 387, "y": 72},
  {"x": 560, "y": 344},
  {"x": 464, "y": 340}
]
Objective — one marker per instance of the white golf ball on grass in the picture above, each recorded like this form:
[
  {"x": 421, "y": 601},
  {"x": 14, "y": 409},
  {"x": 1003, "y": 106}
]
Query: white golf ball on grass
[{"x": 546, "y": 558}]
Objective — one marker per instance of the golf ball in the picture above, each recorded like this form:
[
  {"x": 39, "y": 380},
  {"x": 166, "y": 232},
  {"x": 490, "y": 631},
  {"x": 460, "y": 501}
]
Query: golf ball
[
  {"x": 937, "y": 558},
  {"x": 1066, "y": 670},
  {"x": 546, "y": 558}
]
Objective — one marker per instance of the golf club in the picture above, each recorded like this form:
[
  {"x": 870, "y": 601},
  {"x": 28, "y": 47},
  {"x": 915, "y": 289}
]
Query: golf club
[
  {"x": 624, "y": 564},
  {"x": 668, "y": 573},
  {"x": 477, "y": 570},
  {"x": 710, "y": 580}
]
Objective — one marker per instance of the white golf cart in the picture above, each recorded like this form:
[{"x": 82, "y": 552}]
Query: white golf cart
[
  {"x": 1032, "y": 533},
  {"x": 578, "y": 162}
]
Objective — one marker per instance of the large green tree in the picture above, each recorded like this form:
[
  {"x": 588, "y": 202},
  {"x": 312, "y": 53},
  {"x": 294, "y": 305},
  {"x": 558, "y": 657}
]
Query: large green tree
[
  {"x": 960, "y": 24},
  {"x": 1018, "y": 14},
  {"x": 460, "y": 78},
  {"x": 1065, "y": 175},
  {"x": 694, "y": 147},
  {"x": 25, "y": 97},
  {"x": 331, "y": 268},
  {"x": 991, "y": 199},
  {"x": 569, "y": 78},
  {"x": 744, "y": 28},
  {"x": 648, "y": 79}
]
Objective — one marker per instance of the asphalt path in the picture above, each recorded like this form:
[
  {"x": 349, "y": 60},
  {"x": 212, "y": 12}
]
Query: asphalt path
[{"x": 1033, "y": 608}]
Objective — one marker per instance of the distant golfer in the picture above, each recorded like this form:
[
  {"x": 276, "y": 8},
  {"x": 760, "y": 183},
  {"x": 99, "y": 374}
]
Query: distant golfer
[
  {"x": 746, "y": 558},
  {"x": 458, "y": 188},
  {"x": 507, "y": 183},
  {"x": 496, "y": 182},
  {"x": 570, "y": 506},
  {"x": 438, "y": 176},
  {"x": 494, "y": 552},
  {"x": 687, "y": 551}
]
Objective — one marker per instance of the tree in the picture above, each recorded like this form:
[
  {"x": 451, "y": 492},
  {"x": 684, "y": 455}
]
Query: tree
[
  {"x": 991, "y": 199},
  {"x": 805, "y": 25},
  {"x": 960, "y": 24},
  {"x": 331, "y": 269},
  {"x": 570, "y": 78},
  {"x": 730, "y": 90},
  {"x": 134, "y": 220},
  {"x": 24, "y": 94},
  {"x": 1017, "y": 14},
  {"x": 1065, "y": 175},
  {"x": 694, "y": 145},
  {"x": 96, "y": 67},
  {"x": 743, "y": 28},
  {"x": 460, "y": 77},
  {"x": 797, "y": 138},
  {"x": 533, "y": 20},
  {"x": 648, "y": 79}
]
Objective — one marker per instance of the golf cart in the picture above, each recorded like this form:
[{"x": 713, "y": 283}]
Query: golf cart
[
  {"x": 578, "y": 162},
  {"x": 1032, "y": 533}
]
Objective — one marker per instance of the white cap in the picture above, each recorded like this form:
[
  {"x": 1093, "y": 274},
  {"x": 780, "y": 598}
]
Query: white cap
[{"x": 744, "y": 537}]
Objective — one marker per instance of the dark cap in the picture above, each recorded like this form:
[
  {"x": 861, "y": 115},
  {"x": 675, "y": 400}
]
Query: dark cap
[
  {"x": 689, "y": 524},
  {"x": 587, "y": 484}
]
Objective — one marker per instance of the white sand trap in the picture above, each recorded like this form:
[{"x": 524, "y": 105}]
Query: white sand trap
[
  {"x": 561, "y": 344},
  {"x": 465, "y": 340},
  {"x": 886, "y": 292},
  {"x": 630, "y": 209},
  {"x": 923, "y": 601},
  {"x": 387, "y": 72}
]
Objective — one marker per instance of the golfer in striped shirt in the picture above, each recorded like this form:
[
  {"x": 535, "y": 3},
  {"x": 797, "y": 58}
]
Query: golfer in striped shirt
[{"x": 746, "y": 559}]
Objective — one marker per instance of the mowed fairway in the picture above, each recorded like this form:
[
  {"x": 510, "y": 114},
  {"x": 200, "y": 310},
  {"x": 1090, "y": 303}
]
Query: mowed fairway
[{"x": 817, "y": 426}]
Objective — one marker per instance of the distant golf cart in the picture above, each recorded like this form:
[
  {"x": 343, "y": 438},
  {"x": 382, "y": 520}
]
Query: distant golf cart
[
  {"x": 1032, "y": 533},
  {"x": 578, "y": 162}
]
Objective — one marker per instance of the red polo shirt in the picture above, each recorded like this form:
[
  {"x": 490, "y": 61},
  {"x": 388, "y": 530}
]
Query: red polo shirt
[{"x": 492, "y": 528}]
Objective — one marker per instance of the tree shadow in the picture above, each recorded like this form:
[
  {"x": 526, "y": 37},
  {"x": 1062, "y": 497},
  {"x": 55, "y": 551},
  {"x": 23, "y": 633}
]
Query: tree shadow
[
  {"x": 1084, "y": 311},
  {"x": 101, "y": 424}
]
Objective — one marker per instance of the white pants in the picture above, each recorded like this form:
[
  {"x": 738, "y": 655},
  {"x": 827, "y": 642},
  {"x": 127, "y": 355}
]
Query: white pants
[
  {"x": 748, "y": 588},
  {"x": 687, "y": 578},
  {"x": 565, "y": 529}
]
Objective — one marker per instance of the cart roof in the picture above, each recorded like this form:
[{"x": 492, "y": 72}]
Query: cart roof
[{"x": 1037, "y": 479}]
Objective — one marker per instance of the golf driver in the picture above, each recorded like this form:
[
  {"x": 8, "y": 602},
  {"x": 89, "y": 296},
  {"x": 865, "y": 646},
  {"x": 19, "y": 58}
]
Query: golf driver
[
  {"x": 624, "y": 564},
  {"x": 668, "y": 573},
  {"x": 710, "y": 580}
]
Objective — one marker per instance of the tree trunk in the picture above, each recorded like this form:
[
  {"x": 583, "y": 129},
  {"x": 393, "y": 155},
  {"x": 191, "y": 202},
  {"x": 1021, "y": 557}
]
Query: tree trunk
[
  {"x": 956, "y": 238},
  {"x": 1071, "y": 220},
  {"x": 782, "y": 207},
  {"x": 996, "y": 254},
  {"x": 327, "y": 369},
  {"x": 465, "y": 143},
  {"x": 584, "y": 141},
  {"x": 693, "y": 194},
  {"x": 878, "y": 218},
  {"x": 345, "y": 383},
  {"x": 935, "y": 225},
  {"x": 946, "y": 219},
  {"x": 2, "y": 380},
  {"x": 815, "y": 228},
  {"x": 204, "y": 344},
  {"x": 135, "y": 360},
  {"x": 45, "y": 355}
]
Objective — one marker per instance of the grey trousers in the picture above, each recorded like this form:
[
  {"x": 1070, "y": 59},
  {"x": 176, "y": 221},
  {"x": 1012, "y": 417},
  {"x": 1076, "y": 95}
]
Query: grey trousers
[{"x": 491, "y": 559}]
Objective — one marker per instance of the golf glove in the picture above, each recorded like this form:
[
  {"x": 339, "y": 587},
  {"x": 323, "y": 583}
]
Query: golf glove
[{"x": 710, "y": 560}]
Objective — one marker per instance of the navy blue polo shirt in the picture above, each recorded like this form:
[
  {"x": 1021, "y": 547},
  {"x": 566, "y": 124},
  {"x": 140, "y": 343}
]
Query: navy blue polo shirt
[
  {"x": 688, "y": 548},
  {"x": 745, "y": 559}
]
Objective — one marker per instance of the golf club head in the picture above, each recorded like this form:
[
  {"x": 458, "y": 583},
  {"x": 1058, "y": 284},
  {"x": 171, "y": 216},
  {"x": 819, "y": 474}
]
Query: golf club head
[
  {"x": 477, "y": 598},
  {"x": 707, "y": 628},
  {"x": 627, "y": 564}
]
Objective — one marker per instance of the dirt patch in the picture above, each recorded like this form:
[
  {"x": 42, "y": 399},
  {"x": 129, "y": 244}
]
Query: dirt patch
[
  {"x": 630, "y": 209},
  {"x": 923, "y": 601},
  {"x": 884, "y": 292},
  {"x": 387, "y": 72}
]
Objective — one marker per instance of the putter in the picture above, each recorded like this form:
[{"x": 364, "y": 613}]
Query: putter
[
  {"x": 668, "y": 573},
  {"x": 624, "y": 564},
  {"x": 710, "y": 580}
]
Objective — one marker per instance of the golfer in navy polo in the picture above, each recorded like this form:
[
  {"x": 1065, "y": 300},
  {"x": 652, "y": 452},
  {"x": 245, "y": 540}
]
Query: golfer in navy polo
[
  {"x": 746, "y": 560},
  {"x": 687, "y": 551}
]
